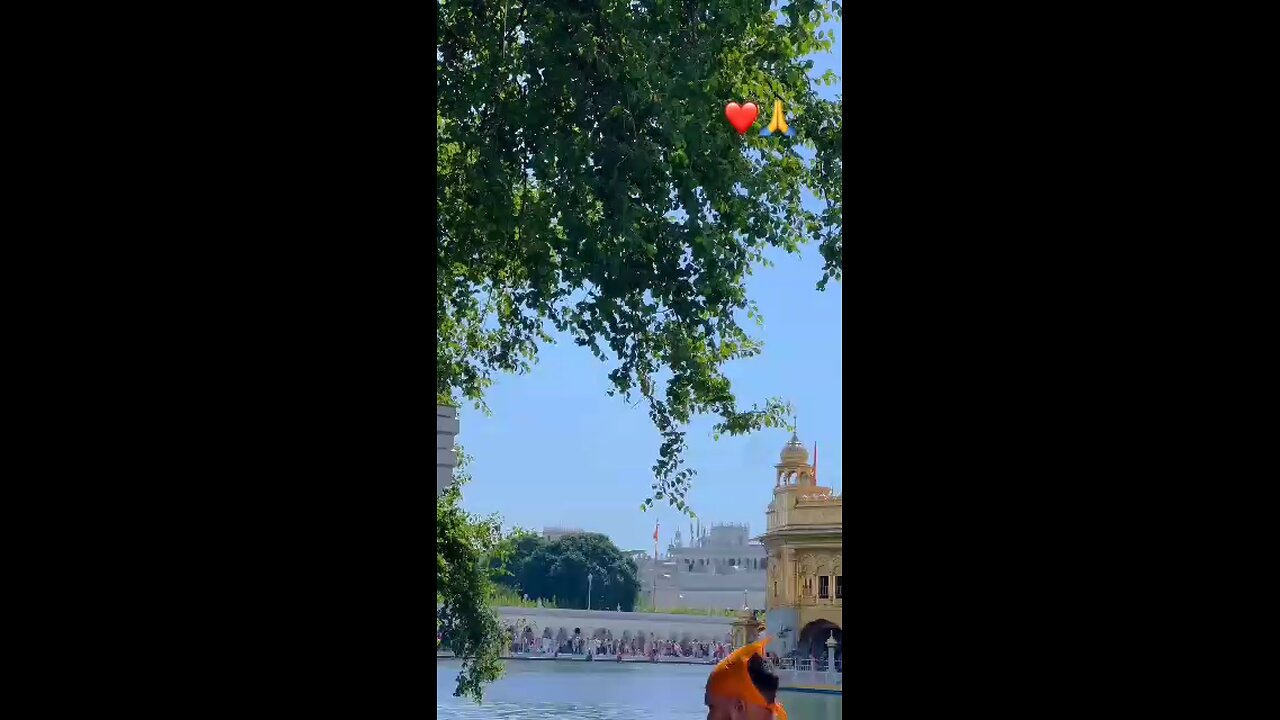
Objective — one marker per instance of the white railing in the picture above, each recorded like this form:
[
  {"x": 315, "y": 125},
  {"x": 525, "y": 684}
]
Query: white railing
[{"x": 807, "y": 671}]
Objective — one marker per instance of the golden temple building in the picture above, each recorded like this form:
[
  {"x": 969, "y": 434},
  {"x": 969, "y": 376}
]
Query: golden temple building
[{"x": 804, "y": 591}]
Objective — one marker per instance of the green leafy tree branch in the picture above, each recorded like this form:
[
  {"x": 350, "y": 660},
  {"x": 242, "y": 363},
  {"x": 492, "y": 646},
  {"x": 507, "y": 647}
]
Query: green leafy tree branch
[
  {"x": 465, "y": 621},
  {"x": 587, "y": 183}
]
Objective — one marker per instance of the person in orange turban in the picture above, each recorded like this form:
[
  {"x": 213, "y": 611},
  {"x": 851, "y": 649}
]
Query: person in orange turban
[{"x": 742, "y": 687}]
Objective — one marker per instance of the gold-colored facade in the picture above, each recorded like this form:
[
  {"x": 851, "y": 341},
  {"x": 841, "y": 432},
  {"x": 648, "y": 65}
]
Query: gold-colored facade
[
  {"x": 747, "y": 627},
  {"x": 804, "y": 591}
]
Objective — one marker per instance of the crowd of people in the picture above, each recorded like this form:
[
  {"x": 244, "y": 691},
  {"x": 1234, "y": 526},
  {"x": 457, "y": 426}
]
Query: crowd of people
[{"x": 606, "y": 645}]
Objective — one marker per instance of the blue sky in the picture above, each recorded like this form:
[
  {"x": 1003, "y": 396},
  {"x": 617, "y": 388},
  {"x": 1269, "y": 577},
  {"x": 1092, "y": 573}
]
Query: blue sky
[{"x": 596, "y": 452}]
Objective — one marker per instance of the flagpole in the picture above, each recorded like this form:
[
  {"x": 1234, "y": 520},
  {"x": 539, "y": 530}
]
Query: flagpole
[{"x": 656, "y": 525}]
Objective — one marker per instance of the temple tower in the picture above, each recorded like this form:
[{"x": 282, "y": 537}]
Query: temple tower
[{"x": 804, "y": 591}]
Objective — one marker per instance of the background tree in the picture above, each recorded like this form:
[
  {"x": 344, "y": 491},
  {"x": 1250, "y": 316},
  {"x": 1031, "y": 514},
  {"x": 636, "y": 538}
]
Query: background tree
[
  {"x": 558, "y": 569},
  {"x": 588, "y": 182},
  {"x": 507, "y": 564}
]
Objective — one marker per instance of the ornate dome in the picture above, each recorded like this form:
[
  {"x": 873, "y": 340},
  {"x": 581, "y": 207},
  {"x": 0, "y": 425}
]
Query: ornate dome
[{"x": 793, "y": 453}]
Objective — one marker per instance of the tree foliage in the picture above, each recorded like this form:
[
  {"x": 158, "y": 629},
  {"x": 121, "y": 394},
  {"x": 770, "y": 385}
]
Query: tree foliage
[
  {"x": 587, "y": 182},
  {"x": 465, "y": 620},
  {"x": 558, "y": 569},
  {"x": 507, "y": 564}
]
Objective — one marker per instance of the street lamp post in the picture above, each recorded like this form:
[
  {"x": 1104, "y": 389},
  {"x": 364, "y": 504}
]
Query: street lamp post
[{"x": 588, "y": 591}]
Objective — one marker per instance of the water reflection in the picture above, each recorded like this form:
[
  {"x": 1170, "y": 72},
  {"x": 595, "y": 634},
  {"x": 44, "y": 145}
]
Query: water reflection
[{"x": 576, "y": 690}]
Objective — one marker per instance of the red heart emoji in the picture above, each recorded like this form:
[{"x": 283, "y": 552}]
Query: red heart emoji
[{"x": 741, "y": 116}]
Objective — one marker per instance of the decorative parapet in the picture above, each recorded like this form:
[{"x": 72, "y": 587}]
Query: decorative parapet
[
  {"x": 809, "y": 509},
  {"x": 446, "y": 454},
  {"x": 824, "y": 495}
]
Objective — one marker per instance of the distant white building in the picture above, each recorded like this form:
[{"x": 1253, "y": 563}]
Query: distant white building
[
  {"x": 555, "y": 533},
  {"x": 721, "y": 569}
]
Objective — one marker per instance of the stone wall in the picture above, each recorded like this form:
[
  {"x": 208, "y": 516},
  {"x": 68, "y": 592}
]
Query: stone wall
[
  {"x": 446, "y": 455},
  {"x": 740, "y": 581},
  {"x": 669, "y": 597},
  {"x": 662, "y": 626},
  {"x": 703, "y": 590}
]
